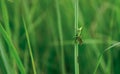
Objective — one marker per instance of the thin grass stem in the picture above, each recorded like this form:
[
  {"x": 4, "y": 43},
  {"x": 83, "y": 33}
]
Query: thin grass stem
[
  {"x": 60, "y": 37},
  {"x": 76, "y": 44},
  {"x": 29, "y": 46}
]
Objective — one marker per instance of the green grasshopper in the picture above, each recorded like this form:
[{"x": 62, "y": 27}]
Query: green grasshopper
[{"x": 78, "y": 36}]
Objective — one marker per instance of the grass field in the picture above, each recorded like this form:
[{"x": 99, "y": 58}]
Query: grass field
[{"x": 39, "y": 37}]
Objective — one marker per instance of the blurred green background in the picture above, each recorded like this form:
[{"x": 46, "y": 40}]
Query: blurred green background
[{"x": 50, "y": 25}]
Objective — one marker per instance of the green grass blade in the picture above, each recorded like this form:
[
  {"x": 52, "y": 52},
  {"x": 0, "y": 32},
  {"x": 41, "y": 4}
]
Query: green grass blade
[
  {"x": 76, "y": 51},
  {"x": 5, "y": 59},
  {"x": 61, "y": 37},
  {"x": 101, "y": 55},
  {"x": 5, "y": 16},
  {"x": 12, "y": 49},
  {"x": 30, "y": 49}
]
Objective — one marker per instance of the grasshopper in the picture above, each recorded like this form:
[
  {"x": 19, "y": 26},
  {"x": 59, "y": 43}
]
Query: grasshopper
[{"x": 78, "y": 36}]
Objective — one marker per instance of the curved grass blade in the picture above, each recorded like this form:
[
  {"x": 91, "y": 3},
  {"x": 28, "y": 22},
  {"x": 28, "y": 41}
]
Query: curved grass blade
[
  {"x": 12, "y": 49},
  {"x": 100, "y": 57},
  {"x": 5, "y": 59}
]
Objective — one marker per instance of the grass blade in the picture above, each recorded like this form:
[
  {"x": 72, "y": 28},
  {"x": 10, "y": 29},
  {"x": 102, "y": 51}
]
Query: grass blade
[
  {"x": 30, "y": 49},
  {"x": 76, "y": 51},
  {"x": 12, "y": 49},
  {"x": 5, "y": 16},
  {"x": 5, "y": 59},
  {"x": 61, "y": 37},
  {"x": 100, "y": 57}
]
